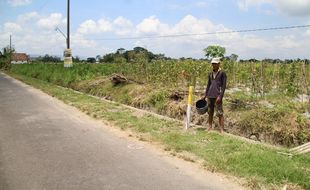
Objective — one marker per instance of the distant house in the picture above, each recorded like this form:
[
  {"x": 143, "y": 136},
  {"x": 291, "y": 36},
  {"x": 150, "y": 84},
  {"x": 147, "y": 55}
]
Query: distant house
[{"x": 19, "y": 58}]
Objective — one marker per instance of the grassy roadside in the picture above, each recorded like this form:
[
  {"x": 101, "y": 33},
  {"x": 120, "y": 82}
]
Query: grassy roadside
[
  {"x": 258, "y": 164},
  {"x": 281, "y": 120}
]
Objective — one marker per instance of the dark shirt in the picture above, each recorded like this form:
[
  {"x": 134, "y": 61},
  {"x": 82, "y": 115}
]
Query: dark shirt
[{"x": 216, "y": 86}]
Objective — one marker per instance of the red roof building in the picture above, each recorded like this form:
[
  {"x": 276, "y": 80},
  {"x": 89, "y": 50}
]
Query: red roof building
[{"x": 19, "y": 58}]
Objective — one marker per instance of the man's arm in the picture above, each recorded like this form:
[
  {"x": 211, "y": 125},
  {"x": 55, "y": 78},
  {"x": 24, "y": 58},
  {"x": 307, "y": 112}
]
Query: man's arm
[
  {"x": 223, "y": 87},
  {"x": 208, "y": 86}
]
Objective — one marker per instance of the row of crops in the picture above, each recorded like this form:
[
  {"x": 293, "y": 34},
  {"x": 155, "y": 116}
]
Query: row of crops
[{"x": 259, "y": 77}]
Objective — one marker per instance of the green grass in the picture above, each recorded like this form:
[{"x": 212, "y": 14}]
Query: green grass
[{"x": 258, "y": 164}]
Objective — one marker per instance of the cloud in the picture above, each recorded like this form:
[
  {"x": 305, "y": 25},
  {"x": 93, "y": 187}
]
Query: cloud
[
  {"x": 186, "y": 46},
  {"x": 151, "y": 26},
  {"x": 89, "y": 26},
  {"x": 12, "y": 27},
  {"x": 104, "y": 25},
  {"x": 188, "y": 5},
  {"x": 246, "y": 4},
  {"x": 287, "y": 7},
  {"x": 92, "y": 27},
  {"x": 27, "y": 17},
  {"x": 294, "y": 8},
  {"x": 16, "y": 3},
  {"x": 190, "y": 24},
  {"x": 287, "y": 41},
  {"x": 122, "y": 26},
  {"x": 176, "y": 7},
  {"x": 122, "y": 22},
  {"x": 246, "y": 45},
  {"x": 79, "y": 41},
  {"x": 50, "y": 22},
  {"x": 34, "y": 33},
  {"x": 201, "y": 4}
]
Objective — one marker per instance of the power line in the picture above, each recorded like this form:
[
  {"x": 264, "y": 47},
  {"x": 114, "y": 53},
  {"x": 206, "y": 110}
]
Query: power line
[
  {"x": 63, "y": 34},
  {"x": 206, "y": 33},
  {"x": 43, "y": 6}
]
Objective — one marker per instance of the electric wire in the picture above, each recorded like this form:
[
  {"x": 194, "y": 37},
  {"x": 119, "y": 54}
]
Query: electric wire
[
  {"x": 42, "y": 6},
  {"x": 202, "y": 34}
]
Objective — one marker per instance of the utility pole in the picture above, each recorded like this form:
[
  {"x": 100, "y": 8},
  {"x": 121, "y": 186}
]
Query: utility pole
[
  {"x": 68, "y": 51},
  {"x": 68, "y": 24}
]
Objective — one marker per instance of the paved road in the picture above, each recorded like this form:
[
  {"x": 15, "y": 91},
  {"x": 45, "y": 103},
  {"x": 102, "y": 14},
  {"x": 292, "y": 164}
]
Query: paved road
[{"x": 46, "y": 145}]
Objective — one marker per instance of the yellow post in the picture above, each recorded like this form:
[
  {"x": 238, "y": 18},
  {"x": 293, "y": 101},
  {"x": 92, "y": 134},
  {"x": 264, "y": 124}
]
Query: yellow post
[
  {"x": 190, "y": 95},
  {"x": 189, "y": 104}
]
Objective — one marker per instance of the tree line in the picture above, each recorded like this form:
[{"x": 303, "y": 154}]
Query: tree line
[{"x": 140, "y": 54}]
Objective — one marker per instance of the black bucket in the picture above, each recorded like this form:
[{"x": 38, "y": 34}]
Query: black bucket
[{"x": 202, "y": 106}]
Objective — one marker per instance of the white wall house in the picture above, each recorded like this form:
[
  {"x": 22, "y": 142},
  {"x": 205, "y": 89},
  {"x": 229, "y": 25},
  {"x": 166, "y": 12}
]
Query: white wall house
[{"x": 20, "y": 58}]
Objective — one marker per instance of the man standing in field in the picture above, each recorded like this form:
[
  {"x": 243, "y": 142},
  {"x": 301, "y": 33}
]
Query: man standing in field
[{"x": 215, "y": 93}]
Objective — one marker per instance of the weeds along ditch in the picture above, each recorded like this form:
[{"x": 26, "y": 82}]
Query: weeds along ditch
[{"x": 259, "y": 102}]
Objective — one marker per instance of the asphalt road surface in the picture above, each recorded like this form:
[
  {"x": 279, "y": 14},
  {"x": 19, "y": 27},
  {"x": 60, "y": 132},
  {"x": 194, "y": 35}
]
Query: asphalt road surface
[{"x": 47, "y": 145}]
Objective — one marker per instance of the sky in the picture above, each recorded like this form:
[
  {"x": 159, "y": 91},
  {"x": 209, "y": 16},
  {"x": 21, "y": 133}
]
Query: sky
[{"x": 100, "y": 27}]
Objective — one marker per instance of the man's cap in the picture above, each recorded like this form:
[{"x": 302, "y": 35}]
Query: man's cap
[{"x": 216, "y": 60}]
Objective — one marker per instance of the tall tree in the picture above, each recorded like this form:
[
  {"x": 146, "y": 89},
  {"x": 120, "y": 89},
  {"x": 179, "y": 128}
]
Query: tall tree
[
  {"x": 120, "y": 51},
  {"x": 91, "y": 60},
  {"x": 214, "y": 51},
  {"x": 233, "y": 57},
  {"x": 139, "y": 49},
  {"x": 76, "y": 59},
  {"x": 5, "y": 57},
  {"x": 98, "y": 58},
  {"x": 108, "y": 58}
]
